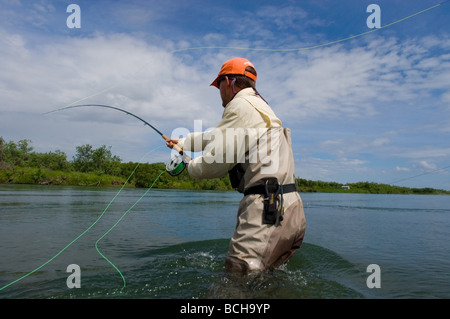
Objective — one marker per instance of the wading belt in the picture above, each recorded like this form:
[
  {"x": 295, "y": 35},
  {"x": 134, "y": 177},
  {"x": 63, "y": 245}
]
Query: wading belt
[
  {"x": 273, "y": 200},
  {"x": 261, "y": 189}
]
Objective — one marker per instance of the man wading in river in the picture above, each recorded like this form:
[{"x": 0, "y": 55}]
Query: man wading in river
[{"x": 252, "y": 147}]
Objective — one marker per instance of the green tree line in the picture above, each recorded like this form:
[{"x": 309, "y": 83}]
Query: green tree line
[
  {"x": 304, "y": 185},
  {"x": 20, "y": 164}
]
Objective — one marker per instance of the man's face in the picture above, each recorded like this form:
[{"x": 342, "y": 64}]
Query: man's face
[{"x": 226, "y": 92}]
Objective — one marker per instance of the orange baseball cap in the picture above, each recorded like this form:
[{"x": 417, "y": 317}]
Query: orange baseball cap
[{"x": 235, "y": 66}]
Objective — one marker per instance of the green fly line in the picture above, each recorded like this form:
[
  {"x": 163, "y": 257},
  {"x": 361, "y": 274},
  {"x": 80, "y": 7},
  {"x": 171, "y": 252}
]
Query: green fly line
[
  {"x": 175, "y": 51},
  {"x": 118, "y": 221},
  {"x": 92, "y": 225},
  {"x": 273, "y": 49},
  {"x": 319, "y": 45}
]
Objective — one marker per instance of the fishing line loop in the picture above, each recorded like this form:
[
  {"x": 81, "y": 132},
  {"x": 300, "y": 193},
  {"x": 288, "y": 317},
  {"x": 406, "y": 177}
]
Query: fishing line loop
[
  {"x": 117, "y": 222},
  {"x": 92, "y": 225},
  {"x": 269, "y": 49}
]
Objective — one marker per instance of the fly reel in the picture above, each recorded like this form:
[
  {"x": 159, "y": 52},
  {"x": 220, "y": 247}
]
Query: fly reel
[{"x": 176, "y": 165}]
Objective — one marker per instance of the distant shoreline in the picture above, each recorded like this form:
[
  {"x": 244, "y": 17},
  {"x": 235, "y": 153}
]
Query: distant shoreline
[
  {"x": 39, "y": 176},
  {"x": 99, "y": 167}
]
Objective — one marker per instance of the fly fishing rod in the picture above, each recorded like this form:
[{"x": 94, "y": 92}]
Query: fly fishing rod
[{"x": 174, "y": 167}]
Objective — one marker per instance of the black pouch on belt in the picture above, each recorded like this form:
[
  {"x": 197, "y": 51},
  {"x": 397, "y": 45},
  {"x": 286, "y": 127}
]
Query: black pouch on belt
[{"x": 272, "y": 213}]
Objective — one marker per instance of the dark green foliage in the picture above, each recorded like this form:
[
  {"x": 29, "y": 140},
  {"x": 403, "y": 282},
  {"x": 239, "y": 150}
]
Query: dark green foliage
[
  {"x": 90, "y": 166},
  {"x": 304, "y": 185},
  {"x": 100, "y": 160}
]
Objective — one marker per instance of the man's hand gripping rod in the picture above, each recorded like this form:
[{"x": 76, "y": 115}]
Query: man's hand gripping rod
[{"x": 178, "y": 163}]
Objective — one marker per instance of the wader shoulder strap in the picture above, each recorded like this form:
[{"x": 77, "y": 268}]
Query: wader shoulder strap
[{"x": 263, "y": 114}]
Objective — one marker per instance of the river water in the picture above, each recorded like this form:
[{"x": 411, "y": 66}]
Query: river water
[{"x": 168, "y": 244}]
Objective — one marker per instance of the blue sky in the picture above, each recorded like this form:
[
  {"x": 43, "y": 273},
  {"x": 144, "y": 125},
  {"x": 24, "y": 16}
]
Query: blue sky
[{"x": 373, "y": 108}]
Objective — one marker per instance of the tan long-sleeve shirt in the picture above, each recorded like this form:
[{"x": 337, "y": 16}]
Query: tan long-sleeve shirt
[{"x": 242, "y": 136}]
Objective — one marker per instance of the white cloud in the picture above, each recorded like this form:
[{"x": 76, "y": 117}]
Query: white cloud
[
  {"x": 423, "y": 152},
  {"x": 350, "y": 95},
  {"x": 427, "y": 166},
  {"x": 445, "y": 98},
  {"x": 330, "y": 83},
  {"x": 356, "y": 82},
  {"x": 117, "y": 70},
  {"x": 380, "y": 141},
  {"x": 338, "y": 170},
  {"x": 353, "y": 146}
]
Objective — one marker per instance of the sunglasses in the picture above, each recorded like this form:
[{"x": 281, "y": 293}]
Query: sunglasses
[
  {"x": 220, "y": 79},
  {"x": 223, "y": 77}
]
